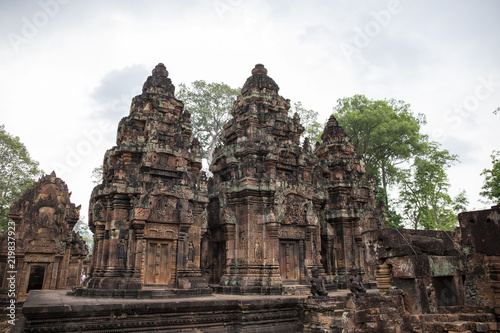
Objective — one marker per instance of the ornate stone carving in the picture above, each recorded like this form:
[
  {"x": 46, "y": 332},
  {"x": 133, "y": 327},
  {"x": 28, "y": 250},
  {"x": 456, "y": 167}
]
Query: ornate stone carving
[
  {"x": 46, "y": 244},
  {"x": 157, "y": 193}
]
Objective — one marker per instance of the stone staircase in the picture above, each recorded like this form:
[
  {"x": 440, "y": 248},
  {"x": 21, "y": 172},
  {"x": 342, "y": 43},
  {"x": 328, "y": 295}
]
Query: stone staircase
[
  {"x": 387, "y": 314},
  {"x": 454, "y": 322}
]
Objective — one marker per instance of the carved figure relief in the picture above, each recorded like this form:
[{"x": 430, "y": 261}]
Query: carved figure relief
[
  {"x": 294, "y": 210},
  {"x": 163, "y": 208}
]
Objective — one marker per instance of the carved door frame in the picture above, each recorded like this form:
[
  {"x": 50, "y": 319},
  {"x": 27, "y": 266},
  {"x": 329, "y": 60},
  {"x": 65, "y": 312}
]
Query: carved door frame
[
  {"x": 159, "y": 267},
  {"x": 289, "y": 260},
  {"x": 28, "y": 275}
]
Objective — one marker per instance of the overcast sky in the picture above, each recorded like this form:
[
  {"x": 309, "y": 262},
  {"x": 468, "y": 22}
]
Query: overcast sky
[{"x": 69, "y": 68}]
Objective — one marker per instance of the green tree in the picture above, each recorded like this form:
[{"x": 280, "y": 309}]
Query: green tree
[
  {"x": 424, "y": 187},
  {"x": 210, "y": 107},
  {"x": 385, "y": 132},
  {"x": 491, "y": 186},
  {"x": 17, "y": 170},
  {"x": 309, "y": 119},
  {"x": 97, "y": 175},
  {"x": 88, "y": 236}
]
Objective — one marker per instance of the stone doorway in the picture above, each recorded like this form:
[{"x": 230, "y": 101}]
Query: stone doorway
[
  {"x": 446, "y": 291},
  {"x": 289, "y": 261},
  {"x": 219, "y": 255},
  {"x": 159, "y": 263},
  {"x": 37, "y": 274}
]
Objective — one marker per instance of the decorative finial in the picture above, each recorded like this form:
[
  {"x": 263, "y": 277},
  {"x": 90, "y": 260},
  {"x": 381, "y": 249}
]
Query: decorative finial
[
  {"x": 160, "y": 69},
  {"x": 259, "y": 69}
]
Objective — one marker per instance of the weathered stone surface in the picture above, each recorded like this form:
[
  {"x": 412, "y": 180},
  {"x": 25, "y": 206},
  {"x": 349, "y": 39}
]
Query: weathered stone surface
[
  {"x": 275, "y": 210},
  {"x": 350, "y": 206},
  {"x": 201, "y": 314},
  {"x": 48, "y": 253},
  {"x": 447, "y": 280},
  {"x": 149, "y": 212},
  {"x": 276, "y": 207},
  {"x": 480, "y": 235}
]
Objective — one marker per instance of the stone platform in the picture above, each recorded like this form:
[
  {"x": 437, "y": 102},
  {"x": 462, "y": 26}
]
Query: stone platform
[{"x": 54, "y": 311}]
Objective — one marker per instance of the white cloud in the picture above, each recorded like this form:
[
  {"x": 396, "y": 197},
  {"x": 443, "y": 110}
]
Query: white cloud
[{"x": 55, "y": 86}]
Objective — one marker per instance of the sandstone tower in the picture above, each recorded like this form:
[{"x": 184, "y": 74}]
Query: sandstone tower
[{"x": 148, "y": 213}]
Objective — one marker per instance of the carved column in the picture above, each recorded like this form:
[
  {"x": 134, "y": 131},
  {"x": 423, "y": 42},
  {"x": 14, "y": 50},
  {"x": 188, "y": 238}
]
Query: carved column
[
  {"x": 383, "y": 277},
  {"x": 99, "y": 246},
  {"x": 348, "y": 242},
  {"x": 138, "y": 271},
  {"x": 182, "y": 257},
  {"x": 272, "y": 249},
  {"x": 118, "y": 232},
  {"x": 54, "y": 273},
  {"x": 329, "y": 256},
  {"x": 64, "y": 269},
  {"x": 230, "y": 236}
]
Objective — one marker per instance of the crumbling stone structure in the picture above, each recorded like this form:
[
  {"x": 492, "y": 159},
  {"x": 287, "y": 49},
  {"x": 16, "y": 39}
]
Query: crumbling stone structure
[
  {"x": 427, "y": 264},
  {"x": 148, "y": 214},
  {"x": 480, "y": 231},
  {"x": 277, "y": 208},
  {"x": 433, "y": 281},
  {"x": 48, "y": 253}
]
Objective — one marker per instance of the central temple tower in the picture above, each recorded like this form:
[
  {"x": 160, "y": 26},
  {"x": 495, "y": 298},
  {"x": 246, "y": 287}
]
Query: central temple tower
[{"x": 263, "y": 213}]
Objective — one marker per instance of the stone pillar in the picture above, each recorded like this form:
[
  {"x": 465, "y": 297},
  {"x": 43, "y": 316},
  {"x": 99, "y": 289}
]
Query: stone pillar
[
  {"x": 181, "y": 282},
  {"x": 54, "y": 273},
  {"x": 231, "y": 252},
  {"x": 271, "y": 248},
  {"x": 99, "y": 247},
  {"x": 137, "y": 268},
  {"x": 330, "y": 269},
  {"x": 302, "y": 261},
  {"x": 348, "y": 242},
  {"x": 383, "y": 277},
  {"x": 64, "y": 269}
]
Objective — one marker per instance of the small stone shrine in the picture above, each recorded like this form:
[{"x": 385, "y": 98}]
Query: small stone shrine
[
  {"x": 148, "y": 214},
  {"x": 48, "y": 253}
]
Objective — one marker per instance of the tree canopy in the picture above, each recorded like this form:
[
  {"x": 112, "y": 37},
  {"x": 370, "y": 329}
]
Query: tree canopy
[
  {"x": 423, "y": 191},
  {"x": 83, "y": 229},
  {"x": 309, "y": 119},
  {"x": 385, "y": 132},
  {"x": 210, "y": 107},
  {"x": 97, "y": 174},
  {"x": 491, "y": 186},
  {"x": 388, "y": 135},
  {"x": 18, "y": 172}
]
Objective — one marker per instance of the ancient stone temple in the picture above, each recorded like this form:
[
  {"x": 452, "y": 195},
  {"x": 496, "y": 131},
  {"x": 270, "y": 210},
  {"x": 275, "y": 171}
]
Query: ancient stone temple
[
  {"x": 274, "y": 212},
  {"x": 148, "y": 214},
  {"x": 48, "y": 253},
  {"x": 277, "y": 209}
]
